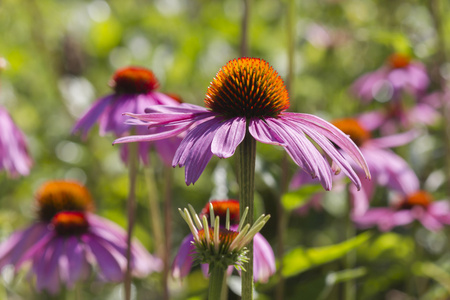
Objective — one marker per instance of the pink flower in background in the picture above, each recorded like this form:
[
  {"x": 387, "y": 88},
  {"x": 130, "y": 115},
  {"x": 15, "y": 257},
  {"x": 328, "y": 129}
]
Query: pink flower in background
[
  {"x": 14, "y": 157},
  {"x": 387, "y": 168},
  {"x": 247, "y": 96},
  {"x": 399, "y": 75},
  {"x": 264, "y": 259},
  {"x": 134, "y": 90},
  {"x": 417, "y": 205},
  {"x": 68, "y": 242}
]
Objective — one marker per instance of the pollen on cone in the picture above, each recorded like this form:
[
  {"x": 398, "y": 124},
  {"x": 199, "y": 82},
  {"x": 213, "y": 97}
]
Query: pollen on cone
[{"x": 247, "y": 87}]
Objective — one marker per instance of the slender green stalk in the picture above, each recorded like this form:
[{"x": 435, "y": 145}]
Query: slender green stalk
[
  {"x": 131, "y": 210},
  {"x": 350, "y": 258},
  {"x": 244, "y": 33},
  {"x": 216, "y": 279},
  {"x": 247, "y": 156},
  {"x": 167, "y": 227}
]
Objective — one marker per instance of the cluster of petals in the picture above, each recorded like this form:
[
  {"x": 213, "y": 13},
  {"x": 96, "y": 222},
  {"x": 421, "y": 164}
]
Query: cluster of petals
[
  {"x": 14, "y": 156},
  {"x": 433, "y": 215},
  {"x": 386, "y": 167},
  {"x": 391, "y": 80},
  {"x": 62, "y": 258},
  {"x": 263, "y": 256},
  {"x": 248, "y": 97},
  {"x": 108, "y": 112}
]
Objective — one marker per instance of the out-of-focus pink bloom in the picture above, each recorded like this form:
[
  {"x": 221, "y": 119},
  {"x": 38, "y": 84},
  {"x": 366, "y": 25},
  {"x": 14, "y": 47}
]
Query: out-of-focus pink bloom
[
  {"x": 418, "y": 205},
  {"x": 399, "y": 75},
  {"x": 387, "y": 168},
  {"x": 395, "y": 116},
  {"x": 322, "y": 37},
  {"x": 248, "y": 97},
  {"x": 14, "y": 157},
  {"x": 68, "y": 242},
  {"x": 134, "y": 90},
  {"x": 263, "y": 257}
]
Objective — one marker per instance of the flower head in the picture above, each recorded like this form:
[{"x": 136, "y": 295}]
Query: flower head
[
  {"x": 222, "y": 241},
  {"x": 400, "y": 74},
  {"x": 418, "y": 205},
  {"x": 14, "y": 156},
  {"x": 68, "y": 241},
  {"x": 134, "y": 90},
  {"x": 247, "y": 96}
]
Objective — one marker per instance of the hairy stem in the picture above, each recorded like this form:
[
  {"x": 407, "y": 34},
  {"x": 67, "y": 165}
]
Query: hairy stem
[{"x": 247, "y": 156}]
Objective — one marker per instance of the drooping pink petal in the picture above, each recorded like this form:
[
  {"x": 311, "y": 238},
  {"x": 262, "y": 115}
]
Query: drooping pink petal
[
  {"x": 228, "y": 136},
  {"x": 183, "y": 261},
  {"x": 47, "y": 269},
  {"x": 152, "y": 137},
  {"x": 302, "y": 151},
  {"x": 263, "y": 133},
  {"x": 333, "y": 134},
  {"x": 91, "y": 116},
  {"x": 263, "y": 259},
  {"x": 395, "y": 140},
  {"x": 111, "y": 264},
  {"x": 195, "y": 149},
  {"x": 78, "y": 265}
]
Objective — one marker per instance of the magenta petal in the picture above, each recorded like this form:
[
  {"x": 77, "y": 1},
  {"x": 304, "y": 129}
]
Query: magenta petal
[
  {"x": 302, "y": 151},
  {"x": 111, "y": 264},
  {"x": 228, "y": 136},
  {"x": 91, "y": 116},
  {"x": 152, "y": 137},
  {"x": 47, "y": 270},
  {"x": 262, "y": 132},
  {"x": 264, "y": 259},
  {"x": 183, "y": 261},
  {"x": 78, "y": 265},
  {"x": 395, "y": 140},
  {"x": 333, "y": 134},
  {"x": 195, "y": 150}
]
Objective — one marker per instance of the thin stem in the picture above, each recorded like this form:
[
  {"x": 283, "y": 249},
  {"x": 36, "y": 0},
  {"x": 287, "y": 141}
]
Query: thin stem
[
  {"x": 244, "y": 33},
  {"x": 350, "y": 258},
  {"x": 167, "y": 226},
  {"x": 157, "y": 225},
  {"x": 247, "y": 156},
  {"x": 131, "y": 210},
  {"x": 216, "y": 278}
]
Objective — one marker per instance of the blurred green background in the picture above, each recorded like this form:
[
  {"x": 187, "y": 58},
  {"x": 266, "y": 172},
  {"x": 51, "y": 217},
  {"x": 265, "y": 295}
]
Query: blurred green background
[{"x": 61, "y": 54}]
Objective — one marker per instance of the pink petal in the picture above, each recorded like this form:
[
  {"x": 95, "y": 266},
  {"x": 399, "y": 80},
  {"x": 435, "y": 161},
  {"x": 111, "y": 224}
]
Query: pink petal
[
  {"x": 183, "y": 261},
  {"x": 263, "y": 133},
  {"x": 228, "y": 136},
  {"x": 91, "y": 116}
]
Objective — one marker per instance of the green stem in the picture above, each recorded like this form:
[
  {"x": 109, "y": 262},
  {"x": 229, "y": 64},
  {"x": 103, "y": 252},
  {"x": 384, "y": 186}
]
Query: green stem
[
  {"x": 244, "y": 33},
  {"x": 216, "y": 278},
  {"x": 167, "y": 226},
  {"x": 247, "y": 156},
  {"x": 350, "y": 258},
  {"x": 131, "y": 210}
]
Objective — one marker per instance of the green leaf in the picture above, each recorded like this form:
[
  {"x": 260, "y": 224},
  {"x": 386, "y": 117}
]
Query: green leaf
[
  {"x": 300, "y": 259},
  {"x": 295, "y": 199}
]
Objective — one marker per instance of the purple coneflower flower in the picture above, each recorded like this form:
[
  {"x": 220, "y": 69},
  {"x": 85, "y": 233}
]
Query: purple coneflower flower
[
  {"x": 417, "y": 205},
  {"x": 68, "y": 240},
  {"x": 134, "y": 90},
  {"x": 247, "y": 96},
  {"x": 14, "y": 157},
  {"x": 387, "y": 168},
  {"x": 264, "y": 259},
  {"x": 388, "y": 82}
]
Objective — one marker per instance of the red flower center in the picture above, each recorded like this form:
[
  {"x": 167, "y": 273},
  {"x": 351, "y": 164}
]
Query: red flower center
[
  {"x": 351, "y": 127},
  {"x": 220, "y": 209},
  {"x": 70, "y": 223},
  {"x": 226, "y": 237},
  {"x": 56, "y": 196},
  {"x": 399, "y": 60},
  {"x": 247, "y": 87},
  {"x": 134, "y": 80},
  {"x": 419, "y": 198}
]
